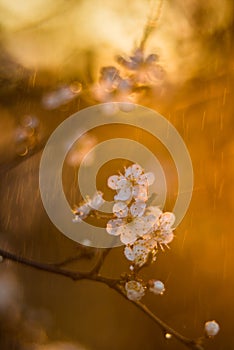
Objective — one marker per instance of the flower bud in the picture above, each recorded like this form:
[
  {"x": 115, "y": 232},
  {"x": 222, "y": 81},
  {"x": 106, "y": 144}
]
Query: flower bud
[
  {"x": 211, "y": 328},
  {"x": 156, "y": 287}
]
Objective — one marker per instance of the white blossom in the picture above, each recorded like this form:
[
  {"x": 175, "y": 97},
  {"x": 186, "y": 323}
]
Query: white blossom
[
  {"x": 139, "y": 251},
  {"x": 133, "y": 219},
  {"x": 114, "y": 227},
  {"x": 114, "y": 181},
  {"x": 164, "y": 237},
  {"x": 133, "y": 172},
  {"x": 140, "y": 192},
  {"x": 156, "y": 211},
  {"x": 86, "y": 207},
  {"x": 161, "y": 231},
  {"x": 211, "y": 328},
  {"x": 166, "y": 220},
  {"x": 156, "y": 287},
  {"x": 113, "y": 88},
  {"x": 130, "y": 231},
  {"x": 82, "y": 212},
  {"x": 120, "y": 209},
  {"x": 133, "y": 184},
  {"x": 145, "y": 70},
  {"x": 137, "y": 208},
  {"x": 135, "y": 290},
  {"x": 134, "y": 222},
  {"x": 97, "y": 201}
]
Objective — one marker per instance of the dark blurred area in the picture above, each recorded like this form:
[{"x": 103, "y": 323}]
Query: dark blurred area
[{"x": 51, "y": 54}]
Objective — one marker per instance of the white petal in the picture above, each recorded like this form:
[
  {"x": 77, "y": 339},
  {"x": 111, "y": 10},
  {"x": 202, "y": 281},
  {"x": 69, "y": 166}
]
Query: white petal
[
  {"x": 124, "y": 194},
  {"x": 129, "y": 253},
  {"x": 140, "y": 193},
  {"x": 156, "y": 212},
  {"x": 127, "y": 235},
  {"x": 167, "y": 218},
  {"x": 128, "y": 172},
  {"x": 146, "y": 179},
  {"x": 114, "y": 227},
  {"x": 165, "y": 227},
  {"x": 152, "y": 210},
  {"x": 123, "y": 183},
  {"x": 165, "y": 237},
  {"x": 141, "y": 254},
  {"x": 133, "y": 171},
  {"x": 113, "y": 181},
  {"x": 136, "y": 170},
  {"x": 97, "y": 200},
  {"x": 135, "y": 290},
  {"x": 120, "y": 209},
  {"x": 143, "y": 225},
  {"x": 137, "y": 208}
]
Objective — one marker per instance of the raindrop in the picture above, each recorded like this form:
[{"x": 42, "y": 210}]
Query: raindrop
[
  {"x": 86, "y": 242},
  {"x": 168, "y": 336}
]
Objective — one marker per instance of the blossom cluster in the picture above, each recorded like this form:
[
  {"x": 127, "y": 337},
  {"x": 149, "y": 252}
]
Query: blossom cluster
[
  {"x": 137, "y": 71},
  {"x": 133, "y": 75},
  {"x": 142, "y": 229}
]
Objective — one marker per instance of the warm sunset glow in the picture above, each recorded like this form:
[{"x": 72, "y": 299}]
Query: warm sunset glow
[{"x": 109, "y": 60}]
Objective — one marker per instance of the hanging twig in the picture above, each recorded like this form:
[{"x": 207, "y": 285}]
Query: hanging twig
[{"x": 151, "y": 24}]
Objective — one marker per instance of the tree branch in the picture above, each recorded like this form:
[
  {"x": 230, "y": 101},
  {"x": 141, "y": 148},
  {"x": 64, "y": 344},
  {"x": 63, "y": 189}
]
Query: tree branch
[
  {"x": 80, "y": 255},
  {"x": 190, "y": 343},
  {"x": 115, "y": 284}
]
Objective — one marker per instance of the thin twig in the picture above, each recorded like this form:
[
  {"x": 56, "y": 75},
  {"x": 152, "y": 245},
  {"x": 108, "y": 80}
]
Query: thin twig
[
  {"x": 80, "y": 255},
  {"x": 151, "y": 24},
  {"x": 100, "y": 261}
]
